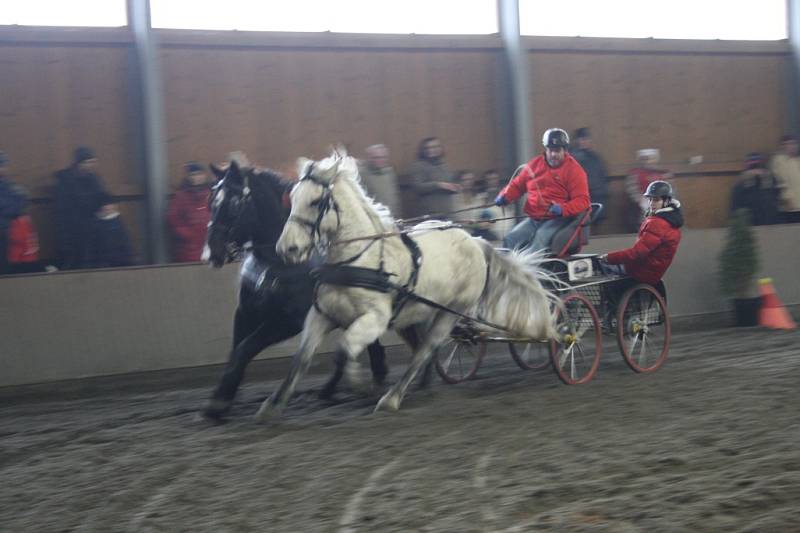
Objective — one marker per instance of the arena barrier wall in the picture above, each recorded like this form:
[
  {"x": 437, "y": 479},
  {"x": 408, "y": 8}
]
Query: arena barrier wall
[{"x": 70, "y": 325}]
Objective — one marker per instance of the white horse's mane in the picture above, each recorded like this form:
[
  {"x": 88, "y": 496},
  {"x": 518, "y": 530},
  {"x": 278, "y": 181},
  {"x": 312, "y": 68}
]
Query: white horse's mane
[{"x": 341, "y": 168}]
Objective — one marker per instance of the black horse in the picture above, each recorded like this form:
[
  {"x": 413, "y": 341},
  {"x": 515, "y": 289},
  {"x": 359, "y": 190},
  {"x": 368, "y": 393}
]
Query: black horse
[{"x": 250, "y": 206}]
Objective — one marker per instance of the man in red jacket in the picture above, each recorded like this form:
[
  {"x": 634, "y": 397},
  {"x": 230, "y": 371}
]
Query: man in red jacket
[
  {"x": 557, "y": 191},
  {"x": 659, "y": 235}
]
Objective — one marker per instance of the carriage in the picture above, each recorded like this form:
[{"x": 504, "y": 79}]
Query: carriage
[{"x": 596, "y": 306}]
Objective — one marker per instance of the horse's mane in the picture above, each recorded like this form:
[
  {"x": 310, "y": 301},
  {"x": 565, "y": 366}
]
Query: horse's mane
[
  {"x": 273, "y": 176},
  {"x": 338, "y": 169}
]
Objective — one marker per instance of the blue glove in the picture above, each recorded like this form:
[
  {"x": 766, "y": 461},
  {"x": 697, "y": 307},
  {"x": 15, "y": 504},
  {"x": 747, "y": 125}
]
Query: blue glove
[
  {"x": 556, "y": 210},
  {"x": 500, "y": 201}
]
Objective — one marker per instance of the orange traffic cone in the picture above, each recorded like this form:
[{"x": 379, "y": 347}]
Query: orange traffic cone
[{"x": 773, "y": 314}]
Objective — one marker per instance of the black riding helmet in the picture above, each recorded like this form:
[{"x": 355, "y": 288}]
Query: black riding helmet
[
  {"x": 555, "y": 138},
  {"x": 658, "y": 189}
]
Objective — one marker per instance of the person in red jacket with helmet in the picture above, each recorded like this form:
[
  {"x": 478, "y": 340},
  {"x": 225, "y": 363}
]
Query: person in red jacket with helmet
[
  {"x": 557, "y": 191},
  {"x": 659, "y": 235},
  {"x": 188, "y": 214}
]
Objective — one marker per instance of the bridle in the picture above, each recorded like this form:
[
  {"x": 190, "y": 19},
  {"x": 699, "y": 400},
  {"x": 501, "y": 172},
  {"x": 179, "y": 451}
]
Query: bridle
[
  {"x": 235, "y": 212},
  {"x": 325, "y": 204}
]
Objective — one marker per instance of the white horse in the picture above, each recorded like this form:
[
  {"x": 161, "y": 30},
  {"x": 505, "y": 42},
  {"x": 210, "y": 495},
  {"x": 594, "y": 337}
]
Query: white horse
[{"x": 456, "y": 270}]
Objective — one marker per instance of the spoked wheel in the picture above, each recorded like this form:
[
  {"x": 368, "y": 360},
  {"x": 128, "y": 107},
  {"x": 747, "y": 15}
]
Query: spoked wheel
[
  {"x": 643, "y": 329},
  {"x": 576, "y": 350},
  {"x": 458, "y": 360},
  {"x": 530, "y": 355}
]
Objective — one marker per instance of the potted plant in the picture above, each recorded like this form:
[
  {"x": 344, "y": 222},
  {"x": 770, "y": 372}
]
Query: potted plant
[{"x": 738, "y": 266}]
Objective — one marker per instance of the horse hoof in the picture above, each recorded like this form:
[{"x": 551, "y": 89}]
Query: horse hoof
[
  {"x": 357, "y": 382},
  {"x": 268, "y": 411},
  {"x": 326, "y": 393},
  {"x": 216, "y": 410},
  {"x": 389, "y": 402}
]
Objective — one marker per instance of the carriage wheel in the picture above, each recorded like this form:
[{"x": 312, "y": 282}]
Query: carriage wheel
[
  {"x": 643, "y": 328},
  {"x": 458, "y": 360},
  {"x": 530, "y": 355},
  {"x": 575, "y": 352}
]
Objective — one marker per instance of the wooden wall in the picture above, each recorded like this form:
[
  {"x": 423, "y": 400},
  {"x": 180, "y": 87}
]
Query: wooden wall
[
  {"x": 277, "y": 98},
  {"x": 56, "y": 97},
  {"x": 718, "y": 105},
  {"x": 278, "y": 104}
]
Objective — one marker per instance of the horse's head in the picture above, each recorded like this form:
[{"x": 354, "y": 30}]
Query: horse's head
[
  {"x": 227, "y": 229},
  {"x": 315, "y": 215},
  {"x": 247, "y": 205}
]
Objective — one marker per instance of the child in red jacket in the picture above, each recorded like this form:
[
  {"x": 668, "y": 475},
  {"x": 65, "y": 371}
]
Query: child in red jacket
[
  {"x": 652, "y": 253},
  {"x": 659, "y": 235},
  {"x": 188, "y": 214}
]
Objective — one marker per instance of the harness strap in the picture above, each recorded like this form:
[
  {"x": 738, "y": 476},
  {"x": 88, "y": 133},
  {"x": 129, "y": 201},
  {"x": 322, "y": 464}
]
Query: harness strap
[
  {"x": 416, "y": 263},
  {"x": 350, "y": 276},
  {"x": 373, "y": 279}
]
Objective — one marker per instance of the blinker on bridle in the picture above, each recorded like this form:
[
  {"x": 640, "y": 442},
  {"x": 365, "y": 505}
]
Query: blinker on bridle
[{"x": 325, "y": 204}]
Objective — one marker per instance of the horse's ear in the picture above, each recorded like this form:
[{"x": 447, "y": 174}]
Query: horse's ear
[
  {"x": 235, "y": 172},
  {"x": 303, "y": 164},
  {"x": 218, "y": 172}
]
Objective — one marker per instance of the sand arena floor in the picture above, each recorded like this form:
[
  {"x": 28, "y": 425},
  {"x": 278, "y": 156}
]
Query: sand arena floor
[{"x": 711, "y": 442}]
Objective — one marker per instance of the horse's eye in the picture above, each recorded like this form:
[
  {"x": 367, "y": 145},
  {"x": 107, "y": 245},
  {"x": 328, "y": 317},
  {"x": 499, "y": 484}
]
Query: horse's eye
[{"x": 315, "y": 203}]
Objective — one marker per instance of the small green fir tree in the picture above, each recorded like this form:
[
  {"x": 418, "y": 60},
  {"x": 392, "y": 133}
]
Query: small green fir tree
[{"x": 738, "y": 262}]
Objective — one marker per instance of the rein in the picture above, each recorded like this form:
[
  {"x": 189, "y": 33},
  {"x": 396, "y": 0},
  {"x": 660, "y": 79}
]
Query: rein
[{"x": 445, "y": 225}]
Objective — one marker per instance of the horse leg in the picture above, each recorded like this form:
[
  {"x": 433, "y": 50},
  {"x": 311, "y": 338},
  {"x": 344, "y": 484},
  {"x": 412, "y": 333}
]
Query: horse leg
[
  {"x": 411, "y": 336},
  {"x": 270, "y": 331},
  {"x": 377, "y": 362},
  {"x": 329, "y": 388},
  {"x": 243, "y": 326},
  {"x": 441, "y": 327},
  {"x": 314, "y": 330},
  {"x": 365, "y": 329}
]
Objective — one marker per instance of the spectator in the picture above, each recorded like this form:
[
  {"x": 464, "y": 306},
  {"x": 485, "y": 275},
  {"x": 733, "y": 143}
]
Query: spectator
[
  {"x": 594, "y": 166},
  {"x": 12, "y": 205},
  {"x": 785, "y": 165},
  {"x": 113, "y": 245},
  {"x": 432, "y": 180},
  {"x": 491, "y": 183},
  {"x": 380, "y": 179},
  {"x": 470, "y": 192},
  {"x": 82, "y": 203},
  {"x": 557, "y": 191},
  {"x": 471, "y": 197},
  {"x": 188, "y": 214},
  {"x": 637, "y": 182},
  {"x": 756, "y": 191}
]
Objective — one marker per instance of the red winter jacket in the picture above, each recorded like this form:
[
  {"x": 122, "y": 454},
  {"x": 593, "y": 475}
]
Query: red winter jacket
[
  {"x": 188, "y": 217},
  {"x": 23, "y": 242},
  {"x": 650, "y": 256},
  {"x": 566, "y": 185}
]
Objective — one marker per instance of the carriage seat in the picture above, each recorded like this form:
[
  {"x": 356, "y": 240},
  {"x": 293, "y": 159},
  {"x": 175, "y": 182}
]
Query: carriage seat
[{"x": 573, "y": 236}]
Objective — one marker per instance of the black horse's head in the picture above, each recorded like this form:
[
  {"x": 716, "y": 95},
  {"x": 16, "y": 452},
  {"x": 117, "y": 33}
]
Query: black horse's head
[{"x": 246, "y": 207}]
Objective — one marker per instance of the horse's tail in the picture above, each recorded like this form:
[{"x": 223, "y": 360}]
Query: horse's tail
[{"x": 514, "y": 296}]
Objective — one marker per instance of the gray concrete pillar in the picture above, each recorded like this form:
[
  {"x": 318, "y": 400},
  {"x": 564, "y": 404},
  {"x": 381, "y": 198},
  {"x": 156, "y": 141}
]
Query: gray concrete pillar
[
  {"x": 517, "y": 79},
  {"x": 156, "y": 168},
  {"x": 793, "y": 70}
]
